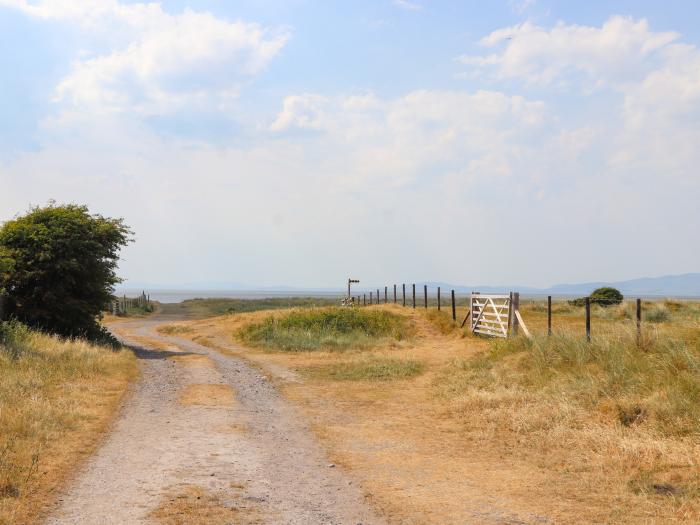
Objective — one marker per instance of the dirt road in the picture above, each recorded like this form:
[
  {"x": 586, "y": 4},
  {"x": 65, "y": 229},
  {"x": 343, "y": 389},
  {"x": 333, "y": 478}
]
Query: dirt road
[{"x": 206, "y": 438}]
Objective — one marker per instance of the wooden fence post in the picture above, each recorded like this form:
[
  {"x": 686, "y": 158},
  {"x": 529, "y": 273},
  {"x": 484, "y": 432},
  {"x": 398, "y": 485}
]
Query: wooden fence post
[
  {"x": 549, "y": 315},
  {"x": 454, "y": 307},
  {"x": 425, "y": 295},
  {"x": 370, "y": 298},
  {"x": 639, "y": 321},
  {"x": 511, "y": 315},
  {"x": 404, "y": 293},
  {"x": 364, "y": 299},
  {"x": 414, "y": 295},
  {"x": 515, "y": 306},
  {"x": 394, "y": 294},
  {"x": 386, "y": 295},
  {"x": 439, "y": 299},
  {"x": 377, "y": 295},
  {"x": 588, "y": 319}
]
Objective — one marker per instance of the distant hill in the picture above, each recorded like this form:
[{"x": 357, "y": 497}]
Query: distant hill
[{"x": 686, "y": 285}]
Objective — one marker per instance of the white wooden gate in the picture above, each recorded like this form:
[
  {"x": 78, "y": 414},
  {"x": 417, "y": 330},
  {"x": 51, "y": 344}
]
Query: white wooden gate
[{"x": 490, "y": 314}]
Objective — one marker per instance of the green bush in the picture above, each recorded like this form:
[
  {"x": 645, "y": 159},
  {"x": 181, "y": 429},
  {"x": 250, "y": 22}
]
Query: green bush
[
  {"x": 57, "y": 268},
  {"x": 605, "y": 296}
]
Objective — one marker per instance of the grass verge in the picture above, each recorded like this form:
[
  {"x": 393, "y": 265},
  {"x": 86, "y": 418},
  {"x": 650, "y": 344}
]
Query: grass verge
[
  {"x": 55, "y": 398},
  {"x": 371, "y": 369},
  {"x": 326, "y": 329}
]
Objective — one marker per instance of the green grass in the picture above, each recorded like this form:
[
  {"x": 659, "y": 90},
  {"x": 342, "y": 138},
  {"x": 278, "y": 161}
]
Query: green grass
[
  {"x": 212, "y": 307},
  {"x": 326, "y": 329},
  {"x": 372, "y": 369},
  {"x": 656, "y": 384}
]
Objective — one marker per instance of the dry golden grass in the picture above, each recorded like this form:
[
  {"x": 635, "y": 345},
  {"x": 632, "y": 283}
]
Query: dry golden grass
[
  {"x": 174, "y": 329},
  {"x": 56, "y": 399},
  {"x": 208, "y": 395},
  {"x": 449, "y": 446},
  {"x": 192, "y": 504}
]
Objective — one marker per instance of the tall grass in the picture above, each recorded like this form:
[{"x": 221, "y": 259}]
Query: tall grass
[
  {"x": 50, "y": 390},
  {"x": 441, "y": 320},
  {"x": 326, "y": 328},
  {"x": 622, "y": 413},
  {"x": 655, "y": 383}
]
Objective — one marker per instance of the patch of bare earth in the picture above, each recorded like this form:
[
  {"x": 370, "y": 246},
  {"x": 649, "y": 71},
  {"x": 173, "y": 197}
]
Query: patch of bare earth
[{"x": 192, "y": 504}]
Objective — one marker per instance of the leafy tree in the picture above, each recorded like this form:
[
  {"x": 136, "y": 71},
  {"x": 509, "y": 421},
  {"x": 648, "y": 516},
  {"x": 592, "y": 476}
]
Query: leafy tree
[{"x": 59, "y": 267}]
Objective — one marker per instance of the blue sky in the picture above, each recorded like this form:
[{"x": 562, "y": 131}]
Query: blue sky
[{"x": 299, "y": 142}]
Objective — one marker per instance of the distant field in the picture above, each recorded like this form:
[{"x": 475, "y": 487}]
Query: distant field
[{"x": 219, "y": 306}]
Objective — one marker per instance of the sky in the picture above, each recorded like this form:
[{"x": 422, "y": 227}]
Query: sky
[{"x": 302, "y": 142}]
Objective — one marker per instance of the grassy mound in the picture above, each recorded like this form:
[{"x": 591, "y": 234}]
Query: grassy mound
[
  {"x": 326, "y": 329},
  {"x": 373, "y": 369},
  {"x": 54, "y": 395}
]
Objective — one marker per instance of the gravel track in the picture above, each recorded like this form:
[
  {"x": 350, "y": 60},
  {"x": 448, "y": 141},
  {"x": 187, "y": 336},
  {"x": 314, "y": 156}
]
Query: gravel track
[{"x": 260, "y": 445}]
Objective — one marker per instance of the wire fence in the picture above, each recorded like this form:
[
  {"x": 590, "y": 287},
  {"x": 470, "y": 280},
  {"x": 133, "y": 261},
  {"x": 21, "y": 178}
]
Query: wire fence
[{"x": 459, "y": 305}]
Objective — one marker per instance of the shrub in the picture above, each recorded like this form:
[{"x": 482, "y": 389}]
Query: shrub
[
  {"x": 605, "y": 296},
  {"x": 58, "y": 268}
]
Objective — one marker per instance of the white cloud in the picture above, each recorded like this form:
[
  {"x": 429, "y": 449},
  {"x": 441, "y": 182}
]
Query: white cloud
[
  {"x": 421, "y": 185},
  {"x": 396, "y": 142},
  {"x": 302, "y": 111},
  {"x": 520, "y": 6},
  {"x": 405, "y": 4},
  {"x": 417, "y": 185},
  {"x": 651, "y": 79},
  {"x": 622, "y": 49},
  {"x": 160, "y": 61}
]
